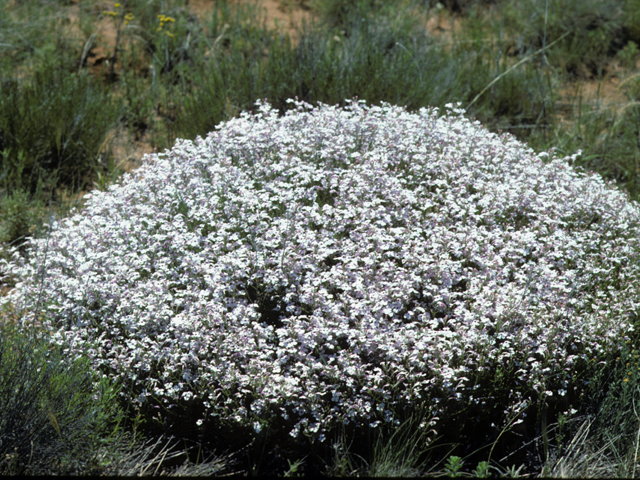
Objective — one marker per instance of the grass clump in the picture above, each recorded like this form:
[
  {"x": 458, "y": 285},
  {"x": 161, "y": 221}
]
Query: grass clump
[
  {"x": 52, "y": 131},
  {"x": 60, "y": 417},
  {"x": 604, "y": 441},
  {"x": 593, "y": 32},
  {"x": 54, "y": 421},
  {"x": 22, "y": 216},
  {"x": 383, "y": 54}
]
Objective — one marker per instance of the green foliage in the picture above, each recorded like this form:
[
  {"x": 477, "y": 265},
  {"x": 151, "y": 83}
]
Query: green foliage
[
  {"x": 482, "y": 470},
  {"x": 401, "y": 452},
  {"x": 462, "y": 6},
  {"x": 628, "y": 54},
  {"x": 293, "y": 468},
  {"x": 52, "y": 415},
  {"x": 595, "y": 30},
  {"x": 52, "y": 129},
  {"x": 608, "y": 138},
  {"x": 19, "y": 216},
  {"x": 603, "y": 442},
  {"x": 617, "y": 422},
  {"x": 373, "y": 56},
  {"x": 340, "y": 13},
  {"x": 453, "y": 466},
  {"x": 34, "y": 32},
  {"x": 228, "y": 81},
  {"x": 631, "y": 10}
]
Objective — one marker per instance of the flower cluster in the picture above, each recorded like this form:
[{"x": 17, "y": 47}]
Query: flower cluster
[
  {"x": 112, "y": 13},
  {"x": 115, "y": 13},
  {"x": 331, "y": 264},
  {"x": 162, "y": 19}
]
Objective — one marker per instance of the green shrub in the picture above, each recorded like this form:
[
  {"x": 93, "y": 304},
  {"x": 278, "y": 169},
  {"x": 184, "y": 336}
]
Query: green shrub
[{"x": 52, "y": 415}]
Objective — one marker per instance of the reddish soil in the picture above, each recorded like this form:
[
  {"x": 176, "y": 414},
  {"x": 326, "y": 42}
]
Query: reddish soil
[{"x": 286, "y": 16}]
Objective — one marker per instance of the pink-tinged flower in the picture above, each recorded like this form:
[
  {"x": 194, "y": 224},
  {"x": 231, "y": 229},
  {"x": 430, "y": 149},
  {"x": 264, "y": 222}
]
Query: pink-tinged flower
[{"x": 333, "y": 264}]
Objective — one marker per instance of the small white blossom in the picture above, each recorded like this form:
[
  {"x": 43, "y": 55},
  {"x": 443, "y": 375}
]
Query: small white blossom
[{"x": 311, "y": 261}]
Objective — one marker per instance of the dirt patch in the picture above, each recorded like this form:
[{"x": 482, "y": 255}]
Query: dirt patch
[
  {"x": 443, "y": 26},
  {"x": 590, "y": 95},
  {"x": 128, "y": 151},
  {"x": 284, "y": 16},
  {"x": 287, "y": 18}
]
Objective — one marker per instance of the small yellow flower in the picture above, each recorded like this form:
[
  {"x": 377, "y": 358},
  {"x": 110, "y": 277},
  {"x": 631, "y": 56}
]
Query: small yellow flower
[
  {"x": 117, "y": 5},
  {"x": 129, "y": 17},
  {"x": 170, "y": 34},
  {"x": 625, "y": 380},
  {"x": 169, "y": 19}
]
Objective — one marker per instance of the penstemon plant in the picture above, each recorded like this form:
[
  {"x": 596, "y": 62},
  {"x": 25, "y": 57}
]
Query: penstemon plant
[{"x": 332, "y": 265}]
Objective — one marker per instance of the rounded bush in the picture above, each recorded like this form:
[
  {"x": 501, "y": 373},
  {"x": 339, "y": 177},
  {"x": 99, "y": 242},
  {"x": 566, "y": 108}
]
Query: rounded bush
[{"x": 335, "y": 265}]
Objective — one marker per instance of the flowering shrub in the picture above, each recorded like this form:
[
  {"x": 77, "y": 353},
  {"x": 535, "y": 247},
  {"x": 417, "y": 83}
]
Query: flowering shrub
[{"x": 335, "y": 264}]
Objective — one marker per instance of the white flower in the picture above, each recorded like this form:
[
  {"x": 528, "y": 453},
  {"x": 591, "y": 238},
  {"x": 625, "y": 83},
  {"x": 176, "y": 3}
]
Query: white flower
[{"x": 287, "y": 259}]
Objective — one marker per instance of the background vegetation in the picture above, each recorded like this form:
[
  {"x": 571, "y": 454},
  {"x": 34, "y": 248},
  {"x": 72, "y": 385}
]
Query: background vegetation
[{"x": 84, "y": 83}]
